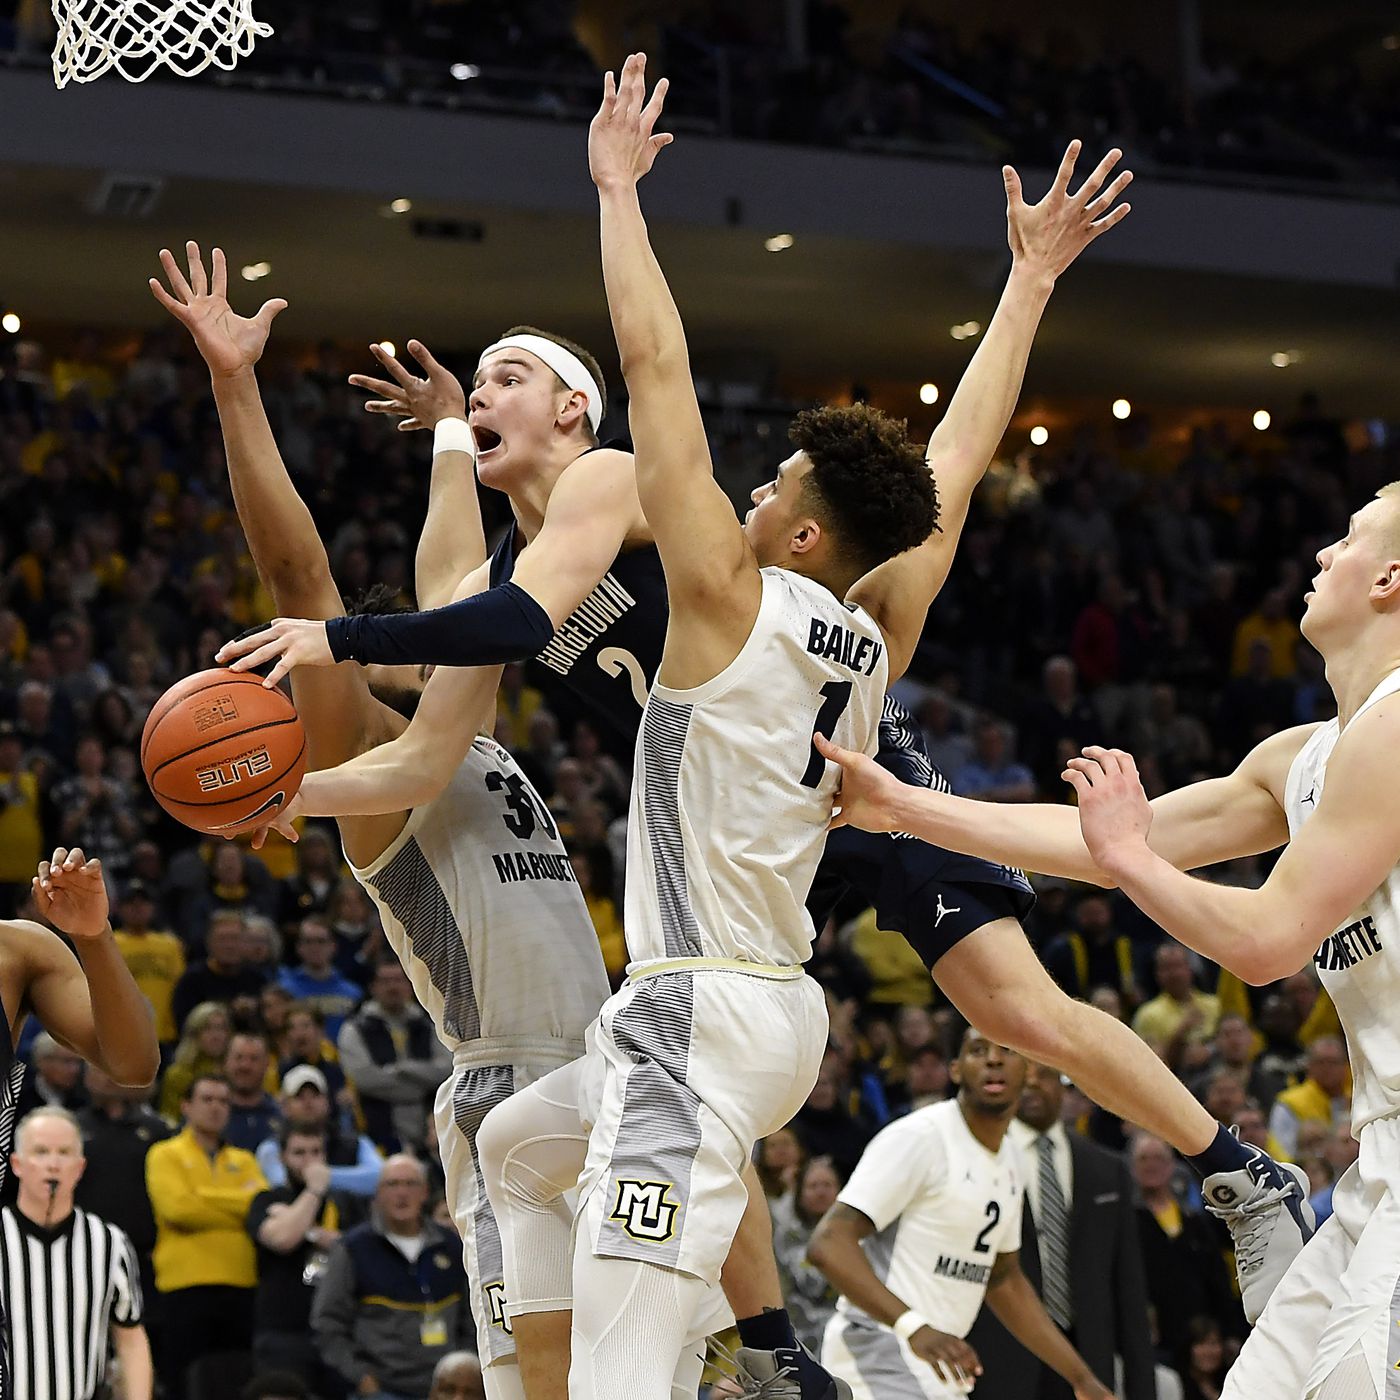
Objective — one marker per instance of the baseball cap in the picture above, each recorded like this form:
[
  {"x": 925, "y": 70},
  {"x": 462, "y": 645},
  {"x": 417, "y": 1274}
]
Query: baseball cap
[{"x": 301, "y": 1077}]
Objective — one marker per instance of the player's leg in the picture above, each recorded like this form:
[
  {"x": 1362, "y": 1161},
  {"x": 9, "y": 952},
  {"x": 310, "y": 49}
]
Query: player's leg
[
  {"x": 462, "y": 1104},
  {"x": 532, "y": 1149},
  {"x": 1358, "y": 1354},
  {"x": 877, "y": 1365},
  {"x": 687, "y": 1071},
  {"x": 994, "y": 979}
]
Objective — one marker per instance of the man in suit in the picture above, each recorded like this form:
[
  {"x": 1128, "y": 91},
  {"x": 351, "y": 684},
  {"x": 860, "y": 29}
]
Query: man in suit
[{"x": 1080, "y": 1249}]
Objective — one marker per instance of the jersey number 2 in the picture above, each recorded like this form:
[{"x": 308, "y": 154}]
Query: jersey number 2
[
  {"x": 993, "y": 1219},
  {"x": 836, "y": 695}
]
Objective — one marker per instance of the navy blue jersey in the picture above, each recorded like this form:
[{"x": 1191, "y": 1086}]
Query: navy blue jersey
[{"x": 608, "y": 653}]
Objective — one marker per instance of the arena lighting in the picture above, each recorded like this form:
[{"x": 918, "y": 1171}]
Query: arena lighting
[
  {"x": 11, "y": 322},
  {"x": 464, "y": 71},
  {"x": 928, "y": 393},
  {"x": 1040, "y": 435},
  {"x": 388, "y": 347},
  {"x": 779, "y": 243},
  {"x": 254, "y": 272},
  {"x": 400, "y": 206},
  {"x": 965, "y": 330},
  {"x": 1262, "y": 418},
  {"x": 1281, "y": 359},
  {"x": 1121, "y": 408}
]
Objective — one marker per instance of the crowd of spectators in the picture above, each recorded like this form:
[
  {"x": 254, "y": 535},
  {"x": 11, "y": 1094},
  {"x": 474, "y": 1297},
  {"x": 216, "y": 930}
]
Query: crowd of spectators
[
  {"x": 838, "y": 78},
  {"x": 1124, "y": 588}
]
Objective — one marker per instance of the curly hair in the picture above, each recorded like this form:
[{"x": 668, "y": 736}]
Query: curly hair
[
  {"x": 589, "y": 363},
  {"x": 869, "y": 485}
]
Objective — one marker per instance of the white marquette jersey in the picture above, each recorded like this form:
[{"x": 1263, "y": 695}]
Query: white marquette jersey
[
  {"x": 480, "y": 903},
  {"x": 730, "y": 798},
  {"x": 1359, "y": 964},
  {"x": 943, "y": 1208}
]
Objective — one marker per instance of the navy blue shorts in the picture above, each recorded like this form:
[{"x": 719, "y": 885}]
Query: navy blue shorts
[{"x": 935, "y": 898}]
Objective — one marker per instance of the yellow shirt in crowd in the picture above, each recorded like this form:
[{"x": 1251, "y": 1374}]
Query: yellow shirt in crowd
[{"x": 156, "y": 962}]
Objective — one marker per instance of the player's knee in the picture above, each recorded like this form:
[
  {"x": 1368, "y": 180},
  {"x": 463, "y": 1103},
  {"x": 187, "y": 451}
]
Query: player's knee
[{"x": 1038, "y": 1032}]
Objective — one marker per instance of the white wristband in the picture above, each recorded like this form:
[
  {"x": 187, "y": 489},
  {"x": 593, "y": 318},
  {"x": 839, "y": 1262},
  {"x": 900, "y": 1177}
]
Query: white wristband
[
  {"x": 454, "y": 435},
  {"x": 907, "y": 1323}
]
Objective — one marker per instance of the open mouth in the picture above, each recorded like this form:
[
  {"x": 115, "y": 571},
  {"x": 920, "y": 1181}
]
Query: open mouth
[
  {"x": 994, "y": 1086},
  {"x": 486, "y": 440}
]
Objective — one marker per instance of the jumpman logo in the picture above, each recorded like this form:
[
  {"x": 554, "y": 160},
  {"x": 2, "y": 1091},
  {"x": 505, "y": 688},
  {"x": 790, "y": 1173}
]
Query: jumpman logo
[
  {"x": 1312, "y": 795},
  {"x": 940, "y": 909}
]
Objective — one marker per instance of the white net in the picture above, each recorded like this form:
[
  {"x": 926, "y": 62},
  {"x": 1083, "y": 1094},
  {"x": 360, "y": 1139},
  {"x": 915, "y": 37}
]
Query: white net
[{"x": 135, "y": 37}]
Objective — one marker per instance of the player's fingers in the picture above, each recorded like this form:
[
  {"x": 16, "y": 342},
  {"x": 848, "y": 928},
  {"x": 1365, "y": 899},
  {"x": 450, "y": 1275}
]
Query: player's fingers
[
  {"x": 410, "y": 425},
  {"x": 198, "y": 280},
  {"x": 74, "y": 858},
  {"x": 1012, "y": 180},
  {"x": 1100, "y": 173},
  {"x": 660, "y": 141},
  {"x": 166, "y": 300},
  {"x": 424, "y": 356},
  {"x": 382, "y": 387},
  {"x": 271, "y": 651},
  {"x": 405, "y": 379},
  {"x": 271, "y": 310},
  {"x": 1109, "y": 220},
  {"x": 1091, "y": 768},
  {"x": 60, "y": 854},
  {"x": 240, "y": 646},
  {"x": 174, "y": 276},
  {"x": 655, "y": 103},
  {"x": 1100, "y": 202},
  {"x": 1077, "y": 781},
  {"x": 609, "y": 91},
  {"x": 274, "y": 676},
  {"x": 219, "y": 283},
  {"x": 93, "y": 870},
  {"x": 832, "y": 751},
  {"x": 1066, "y": 170},
  {"x": 43, "y": 871}
]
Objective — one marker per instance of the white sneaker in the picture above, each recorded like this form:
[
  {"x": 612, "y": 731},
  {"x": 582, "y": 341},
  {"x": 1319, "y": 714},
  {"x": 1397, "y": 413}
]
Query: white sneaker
[
  {"x": 1266, "y": 1207},
  {"x": 773, "y": 1375}
]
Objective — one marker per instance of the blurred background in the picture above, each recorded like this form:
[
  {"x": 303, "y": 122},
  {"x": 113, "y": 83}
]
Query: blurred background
[{"x": 1212, "y": 392}]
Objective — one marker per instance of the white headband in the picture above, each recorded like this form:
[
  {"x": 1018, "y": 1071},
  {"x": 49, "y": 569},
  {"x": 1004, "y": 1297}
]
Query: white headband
[{"x": 563, "y": 362}]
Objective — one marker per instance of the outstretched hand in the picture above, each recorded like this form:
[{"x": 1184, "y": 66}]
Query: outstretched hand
[
  {"x": 1048, "y": 236},
  {"x": 1114, "y": 813},
  {"x": 868, "y": 793},
  {"x": 230, "y": 344},
  {"x": 70, "y": 893},
  {"x": 621, "y": 146},
  {"x": 420, "y": 403},
  {"x": 283, "y": 822},
  {"x": 289, "y": 641}
]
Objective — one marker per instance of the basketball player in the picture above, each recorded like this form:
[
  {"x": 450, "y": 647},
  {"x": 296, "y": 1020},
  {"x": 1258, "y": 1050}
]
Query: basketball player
[
  {"x": 475, "y": 863},
  {"x": 599, "y": 628},
  {"x": 927, "y": 1227},
  {"x": 1331, "y": 1330}
]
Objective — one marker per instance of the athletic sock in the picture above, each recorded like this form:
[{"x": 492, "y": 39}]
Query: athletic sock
[
  {"x": 770, "y": 1330},
  {"x": 1226, "y": 1154}
]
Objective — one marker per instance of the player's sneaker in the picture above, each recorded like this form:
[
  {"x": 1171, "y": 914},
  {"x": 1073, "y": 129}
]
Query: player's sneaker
[
  {"x": 786, "y": 1375},
  {"x": 1266, "y": 1207}
]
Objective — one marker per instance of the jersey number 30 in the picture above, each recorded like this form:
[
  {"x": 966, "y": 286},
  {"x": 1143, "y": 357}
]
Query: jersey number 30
[{"x": 836, "y": 695}]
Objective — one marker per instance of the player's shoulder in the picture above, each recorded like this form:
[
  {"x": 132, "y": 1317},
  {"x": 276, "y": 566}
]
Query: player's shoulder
[
  {"x": 26, "y": 942},
  {"x": 1268, "y": 762}
]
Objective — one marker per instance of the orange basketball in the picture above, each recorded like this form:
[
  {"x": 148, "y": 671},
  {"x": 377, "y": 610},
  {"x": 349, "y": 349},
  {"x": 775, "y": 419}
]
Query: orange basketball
[{"x": 222, "y": 753}]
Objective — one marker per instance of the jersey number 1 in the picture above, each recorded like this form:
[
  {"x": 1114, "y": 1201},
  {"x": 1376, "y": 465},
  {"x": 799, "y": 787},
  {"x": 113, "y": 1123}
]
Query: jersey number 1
[{"x": 836, "y": 695}]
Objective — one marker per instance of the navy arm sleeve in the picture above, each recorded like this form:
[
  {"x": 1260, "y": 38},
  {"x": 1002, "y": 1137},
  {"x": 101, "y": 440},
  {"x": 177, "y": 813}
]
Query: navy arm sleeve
[{"x": 503, "y": 624}]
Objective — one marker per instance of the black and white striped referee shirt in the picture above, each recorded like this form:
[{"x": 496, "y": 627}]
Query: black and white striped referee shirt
[{"x": 63, "y": 1288}]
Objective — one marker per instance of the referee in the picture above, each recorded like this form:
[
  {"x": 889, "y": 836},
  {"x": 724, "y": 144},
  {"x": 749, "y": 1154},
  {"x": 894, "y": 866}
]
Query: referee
[{"x": 66, "y": 1276}]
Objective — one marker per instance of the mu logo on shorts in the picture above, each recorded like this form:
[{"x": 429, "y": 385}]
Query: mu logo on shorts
[
  {"x": 644, "y": 1211},
  {"x": 495, "y": 1295}
]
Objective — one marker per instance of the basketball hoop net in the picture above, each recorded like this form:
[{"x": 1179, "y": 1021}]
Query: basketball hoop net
[{"x": 136, "y": 36}]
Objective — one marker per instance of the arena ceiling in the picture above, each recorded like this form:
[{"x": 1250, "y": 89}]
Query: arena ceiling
[{"x": 826, "y": 311}]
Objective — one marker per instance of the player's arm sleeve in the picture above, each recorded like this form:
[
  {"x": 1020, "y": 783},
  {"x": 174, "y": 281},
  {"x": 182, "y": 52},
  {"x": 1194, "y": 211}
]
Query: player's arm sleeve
[
  {"x": 900, "y": 1164},
  {"x": 489, "y": 629}
]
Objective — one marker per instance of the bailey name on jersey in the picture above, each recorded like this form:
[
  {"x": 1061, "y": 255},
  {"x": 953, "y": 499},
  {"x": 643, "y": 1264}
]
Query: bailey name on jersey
[{"x": 839, "y": 644}]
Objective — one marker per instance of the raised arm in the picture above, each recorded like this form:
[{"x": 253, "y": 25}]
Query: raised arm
[
  {"x": 710, "y": 569},
  {"x": 592, "y": 512},
  {"x": 90, "y": 1003},
  {"x": 1045, "y": 239},
  {"x": 1330, "y": 868}
]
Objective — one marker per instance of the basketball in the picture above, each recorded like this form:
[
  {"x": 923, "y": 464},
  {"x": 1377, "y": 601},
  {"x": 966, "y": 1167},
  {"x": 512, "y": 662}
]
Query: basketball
[{"x": 222, "y": 753}]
